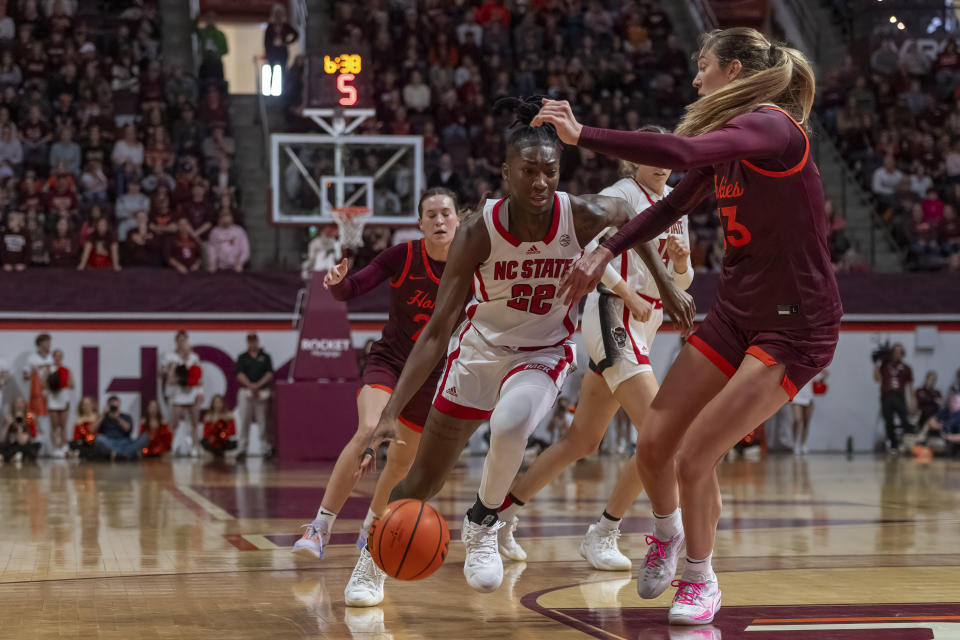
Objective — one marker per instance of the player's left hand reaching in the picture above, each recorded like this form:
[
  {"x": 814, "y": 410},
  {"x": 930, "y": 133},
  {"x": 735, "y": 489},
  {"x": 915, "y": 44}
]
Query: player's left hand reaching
[
  {"x": 679, "y": 304},
  {"x": 560, "y": 115},
  {"x": 584, "y": 275},
  {"x": 386, "y": 431}
]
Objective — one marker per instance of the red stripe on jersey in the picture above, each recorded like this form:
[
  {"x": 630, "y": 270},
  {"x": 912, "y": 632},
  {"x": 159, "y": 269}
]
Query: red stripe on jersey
[
  {"x": 555, "y": 223},
  {"x": 426, "y": 262},
  {"x": 645, "y": 194},
  {"x": 718, "y": 360},
  {"x": 794, "y": 169},
  {"x": 483, "y": 289},
  {"x": 502, "y": 230},
  {"x": 406, "y": 267},
  {"x": 656, "y": 302},
  {"x": 553, "y": 373},
  {"x": 768, "y": 360}
]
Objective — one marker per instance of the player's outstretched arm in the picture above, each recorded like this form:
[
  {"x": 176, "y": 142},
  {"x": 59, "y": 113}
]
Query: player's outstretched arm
[
  {"x": 597, "y": 210},
  {"x": 470, "y": 247},
  {"x": 756, "y": 135},
  {"x": 388, "y": 263}
]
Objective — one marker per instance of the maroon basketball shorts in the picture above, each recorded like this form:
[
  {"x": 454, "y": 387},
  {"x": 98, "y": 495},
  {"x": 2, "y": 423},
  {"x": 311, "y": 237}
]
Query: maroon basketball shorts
[
  {"x": 381, "y": 373},
  {"x": 804, "y": 352}
]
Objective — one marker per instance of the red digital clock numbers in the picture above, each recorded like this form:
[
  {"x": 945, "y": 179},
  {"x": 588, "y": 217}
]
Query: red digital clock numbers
[{"x": 340, "y": 78}]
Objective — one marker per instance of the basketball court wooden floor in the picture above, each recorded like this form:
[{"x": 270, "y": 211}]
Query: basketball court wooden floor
[{"x": 816, "y": 548}]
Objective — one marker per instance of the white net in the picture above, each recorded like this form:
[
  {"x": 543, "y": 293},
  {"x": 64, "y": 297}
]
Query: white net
[{"x": 350, "y": 222}]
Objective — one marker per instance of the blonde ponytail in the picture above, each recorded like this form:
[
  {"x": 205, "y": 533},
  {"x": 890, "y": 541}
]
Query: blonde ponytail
[{"x": 771, "y": 74}]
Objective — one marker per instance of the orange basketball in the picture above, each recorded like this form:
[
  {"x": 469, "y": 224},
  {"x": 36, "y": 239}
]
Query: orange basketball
[{"x": 410, "y": 541}]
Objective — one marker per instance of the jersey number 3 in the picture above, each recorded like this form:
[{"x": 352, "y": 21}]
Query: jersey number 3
[
  {"x": 535, "y": 300},
  {"x": 737, "y": 234}
]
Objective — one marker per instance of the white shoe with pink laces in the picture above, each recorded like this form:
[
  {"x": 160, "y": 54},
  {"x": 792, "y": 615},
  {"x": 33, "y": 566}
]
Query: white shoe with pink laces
[
  {"x": 659, "y": 566},
  {"x": 695, "y": 602}
]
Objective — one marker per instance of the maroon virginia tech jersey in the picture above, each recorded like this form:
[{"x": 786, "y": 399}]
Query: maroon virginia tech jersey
[
  {"x": 776, "y": 265},
  {"x": 414, "y": 278}
]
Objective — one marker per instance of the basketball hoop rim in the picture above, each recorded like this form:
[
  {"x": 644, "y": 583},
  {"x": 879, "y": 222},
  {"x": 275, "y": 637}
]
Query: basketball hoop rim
[{"x": 349, "y": 212}]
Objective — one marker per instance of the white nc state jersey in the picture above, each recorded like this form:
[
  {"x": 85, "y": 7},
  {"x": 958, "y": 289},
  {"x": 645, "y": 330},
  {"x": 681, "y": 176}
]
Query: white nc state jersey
[
  {"x": 631, "y": 267},
  {"x": 515, "y": 301}
]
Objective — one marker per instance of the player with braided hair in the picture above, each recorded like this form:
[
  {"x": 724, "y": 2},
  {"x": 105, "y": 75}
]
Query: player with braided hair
[{"x": 507, "y": 360}]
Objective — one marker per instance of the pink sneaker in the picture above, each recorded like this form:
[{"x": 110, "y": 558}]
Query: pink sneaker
[{"x": 695, "y": 602}]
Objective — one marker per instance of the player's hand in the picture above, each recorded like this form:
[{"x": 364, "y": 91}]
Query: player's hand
[
  {"x": 678, "y": 250},
  {"x": 584, "y": 275},
  {"x": 560, "y": 115},
  {"x": 386, "y": 431},
  {"x": 639, "y": 308},
  {"x": 336, "y": 273},
  {"x": 679, "y": 304}
]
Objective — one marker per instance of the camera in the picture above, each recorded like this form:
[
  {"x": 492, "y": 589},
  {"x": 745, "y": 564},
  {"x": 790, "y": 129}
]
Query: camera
[{"x": 883, "y": 353}]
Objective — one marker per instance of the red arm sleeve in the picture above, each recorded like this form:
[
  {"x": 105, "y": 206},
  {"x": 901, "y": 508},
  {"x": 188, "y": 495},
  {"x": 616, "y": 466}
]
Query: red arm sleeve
[
  {"x": 650, "y": 222},
  {"x": 758, "y": 135},
  {"x": 388, "y": 264}
]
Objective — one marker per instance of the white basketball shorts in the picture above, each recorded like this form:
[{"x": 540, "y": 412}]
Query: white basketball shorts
[
  {"x": 618, "y": 344},
  {"x": 476, "y": 370}
]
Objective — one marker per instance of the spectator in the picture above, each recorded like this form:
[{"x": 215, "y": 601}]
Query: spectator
[
  {"x": 947, "y": 67},
  {"x": 217, "y": 144},
  {"x": 277, "y": 38},
  {"x": 127, "y": 207},
  {"x": 885, "y": 60},
  {"x": 228, "y": 248},
  {"x": 128, "y": 150},
  {"x": 159, "y": 154},
  {"x": 85, "y": 427},
  {"x": 928, "y": 397},
  {"x": 886, "y": 179},
  {"x": 101, "y": 250},
  {"x": 152, "y": 88},
  {"x": 94, "y": 214},
  {"x": 38, "y": 237},
  {"x": 182, "y": 250},
  {"x": 254, "y": 369},
  {"x": 162, "y": 221},
  {"x": 181, "y": 84},
  {"x": 932, "y": 207},
  {"x": 15, "y": 248},
  {"x": 916, "y": 100},
  {"x": 469, "y": 27},
  {"x": 218, "y": 427},
  {"x": 213, "y": 46},
  {"x": 114, "y": 434},
  {"x": 66, "y": 151},
  {"x": 949, "y": 231},
  {"x": 153, "y": 425},
  {"x": 493, "y": 10},
  {"x": 35, "y": 136},
  {"x": 94, "y": 183},
  {"x": 188, "y": 132},
  {"x": 60, "y": 386},
  {"x": 913, "y": 62},
  {"x": 62, "y": 246},
  {"x": 7, "y": 27},
  {"x": 416, "y": 95},
  {"x": 897, "y": 397},
  {"x": 446, "y": 176},
  {"x": 17, "y": 440},
  {"x": 214, "y": 111},
  {"x": 946, "y": 424},
  {"x": 183, "y": 386},
  {"x": 11, "y": 152},
  {"x": 142, "y": 248}
]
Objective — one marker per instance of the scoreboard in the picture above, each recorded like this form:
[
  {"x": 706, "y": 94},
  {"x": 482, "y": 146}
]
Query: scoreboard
[{"x": 339, "y": 78}]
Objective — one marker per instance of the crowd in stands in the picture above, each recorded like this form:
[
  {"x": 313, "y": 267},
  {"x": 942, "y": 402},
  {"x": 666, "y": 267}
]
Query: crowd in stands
[
  {"x": 898, "y": 126},
  {"x": 179, "y": 422},
  {"x": 440, "y": 66},
  {"x": 106, "y": 160}
]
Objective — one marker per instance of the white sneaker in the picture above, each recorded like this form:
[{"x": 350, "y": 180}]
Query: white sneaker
[
  {"x": 483, "y": 567},
  {"x": 365, "y": 588},
  {"x": 509, "y": 547},
  {"x": 659, "y": 566},
  {"x": 695, "y": 602},
  {"x": 599, "y": 548},
  {"x": 313, "y": 540}
]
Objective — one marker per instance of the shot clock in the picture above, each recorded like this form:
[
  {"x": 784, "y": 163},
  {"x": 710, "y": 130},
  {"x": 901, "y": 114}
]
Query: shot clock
[{"x": 339, "y": 78}]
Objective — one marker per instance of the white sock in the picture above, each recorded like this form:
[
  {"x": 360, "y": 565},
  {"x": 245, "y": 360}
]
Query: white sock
[
  {"x": 368, "y": 520},
  {"x": 510, "y": 512},
  {"x": 666, "y": 527},
  {"x": 699, "y": 570},
  {"x": 325, "y": 519},
  {"x": 608, "y": 525}
]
